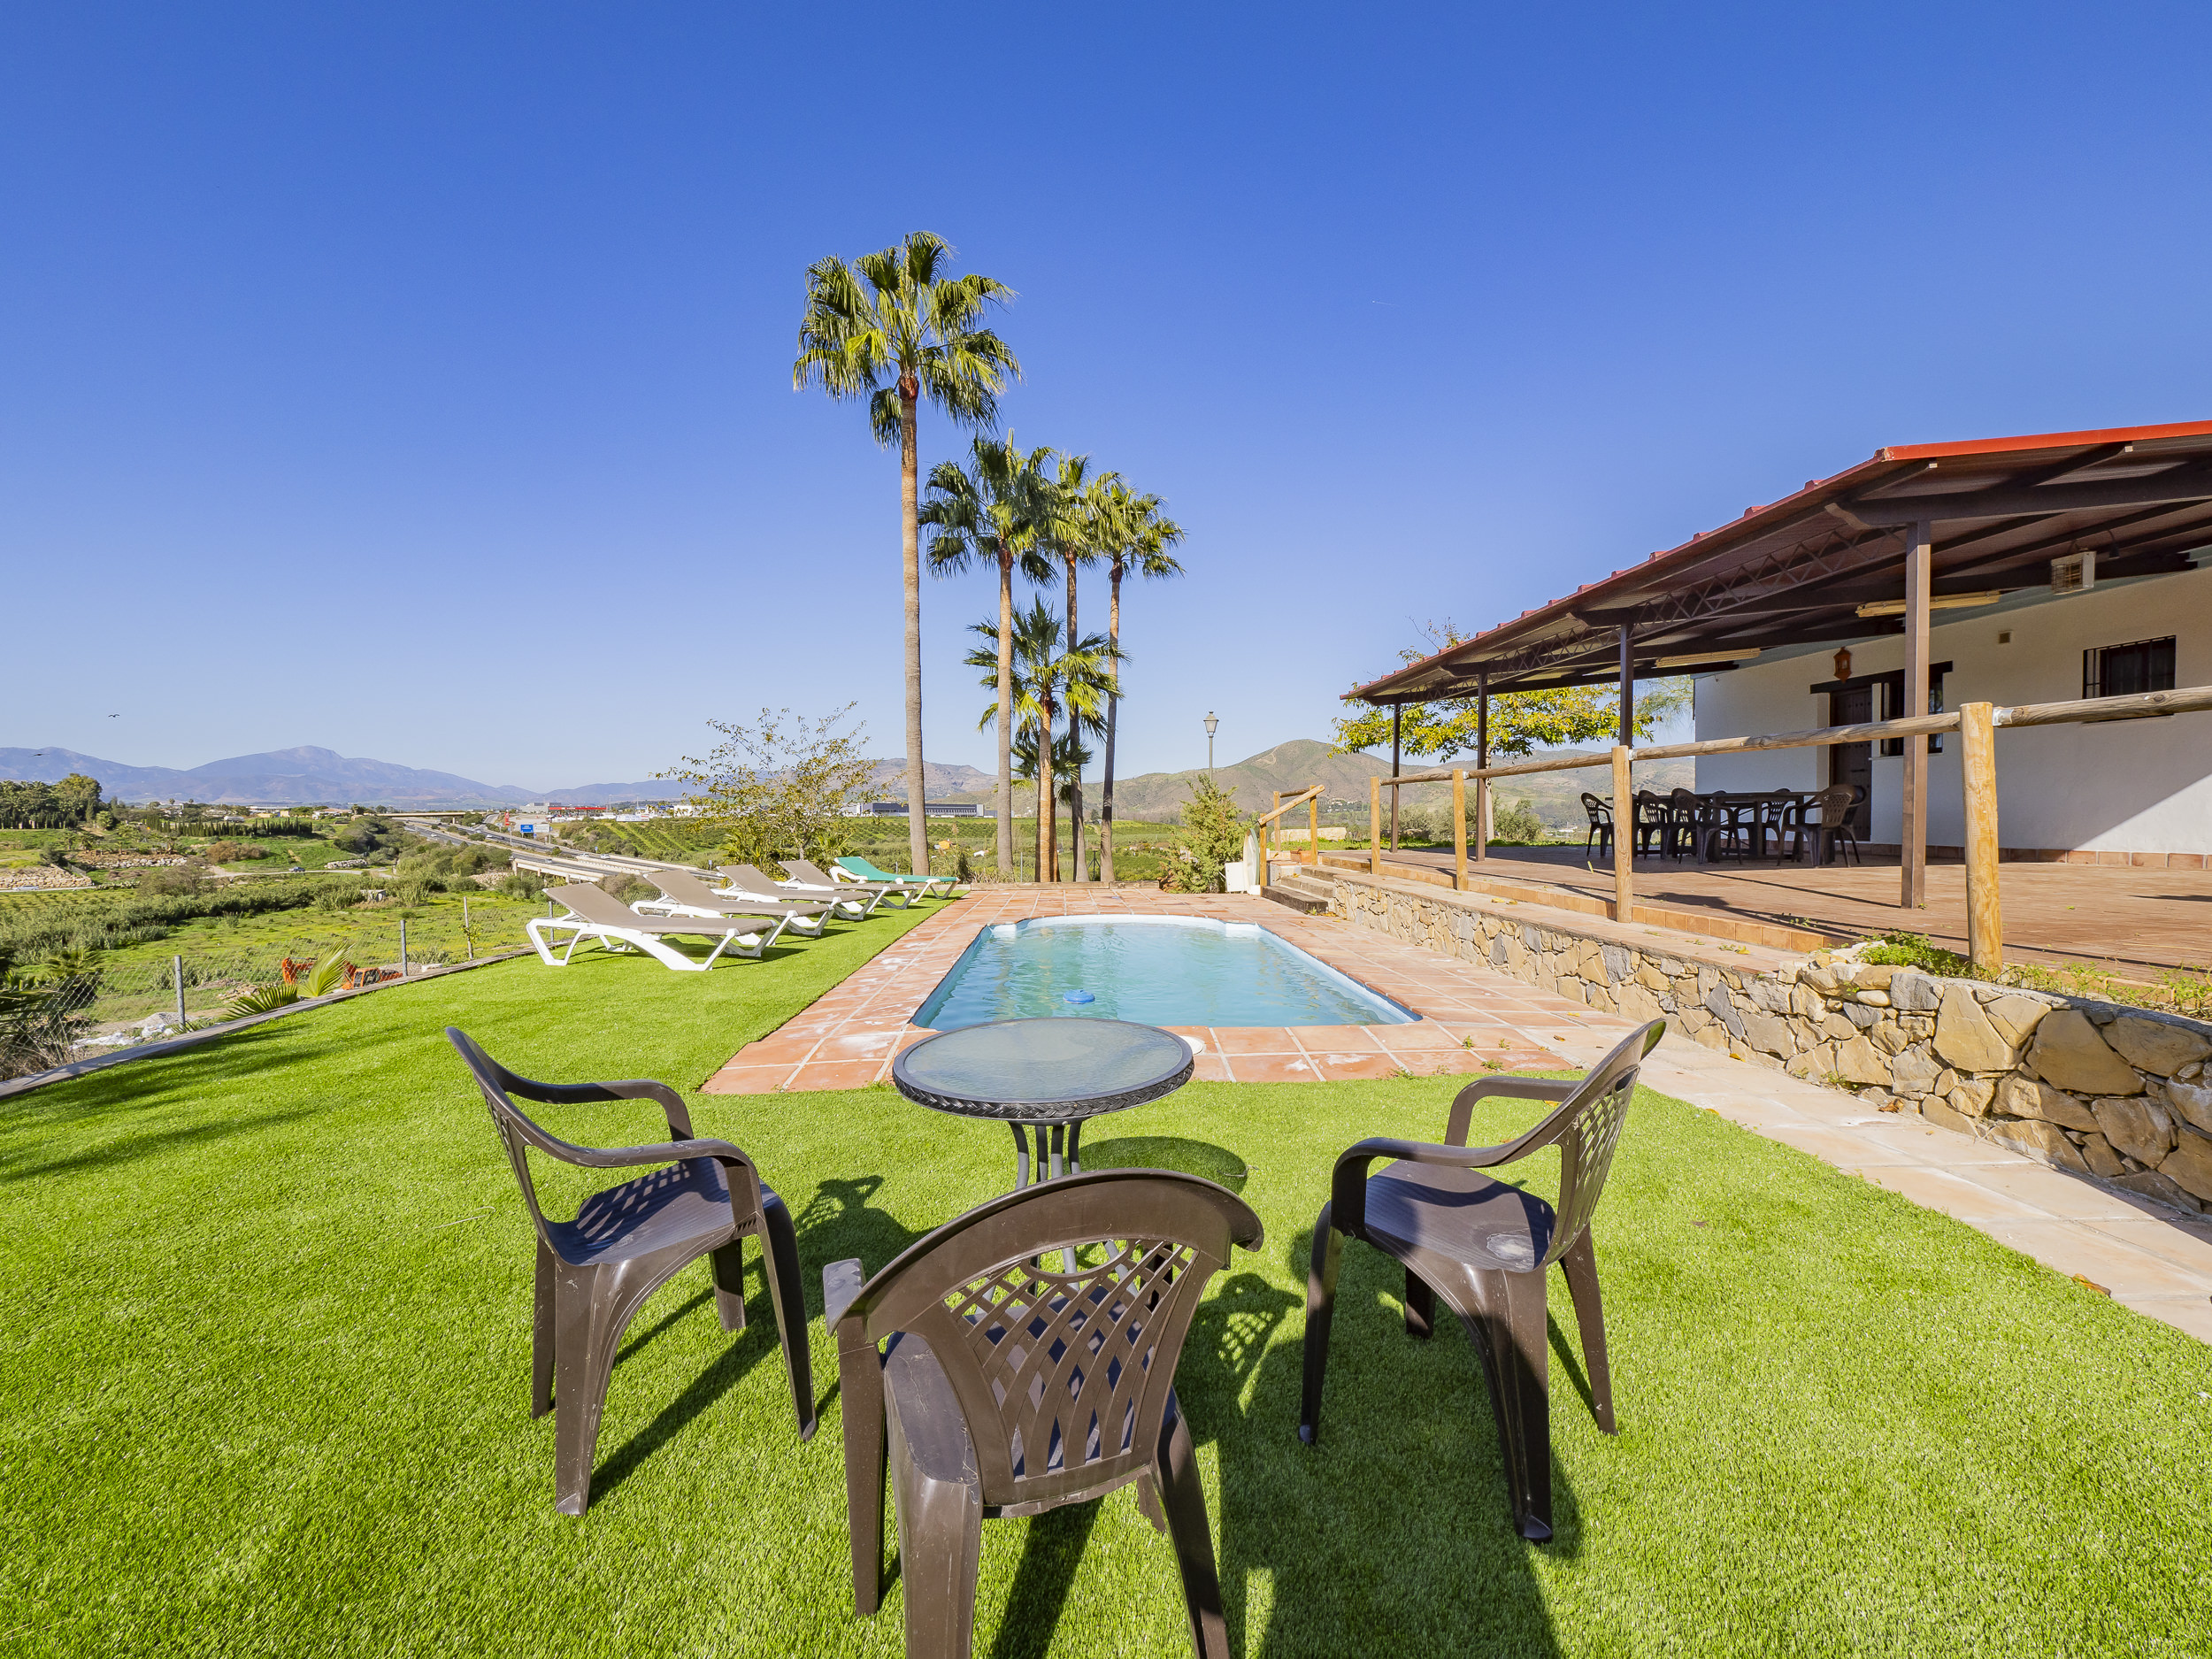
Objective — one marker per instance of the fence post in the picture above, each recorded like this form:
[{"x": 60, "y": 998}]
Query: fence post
[
  {"x": 468, "y": 940},
  {"x": 1374, "y": 826},
  {"x": 1482, "y": 818},
  {"x": 1624, "y": 837},
  {"x": 176, "y": 970},
  {"x": 1459, "y": 831},
  {"x": 1985, "y": 914},
  {"x": 403, "y": 947},
  {"x": 1313, "y": 830}
]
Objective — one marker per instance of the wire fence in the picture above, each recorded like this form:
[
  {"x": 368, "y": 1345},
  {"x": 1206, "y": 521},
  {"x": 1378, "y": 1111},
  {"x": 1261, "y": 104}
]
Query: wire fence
[{"x": 77, "y": 1006}]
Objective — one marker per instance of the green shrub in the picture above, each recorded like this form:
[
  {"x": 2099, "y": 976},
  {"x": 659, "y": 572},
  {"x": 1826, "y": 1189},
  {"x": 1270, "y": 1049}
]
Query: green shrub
[
  {"x": 1516, "y": 823},
  {"x": 629, "y": 889},
  {"x": 519, "y": 885}
]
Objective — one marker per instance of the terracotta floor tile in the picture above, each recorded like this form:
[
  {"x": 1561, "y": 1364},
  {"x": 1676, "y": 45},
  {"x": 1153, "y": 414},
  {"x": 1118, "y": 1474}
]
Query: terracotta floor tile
[
  {"x": 1343, "y": 1068},
  {"x": 746, "y": 1079},
  {"x": 1409, "y": 1039},
  {"x": 1235, "y": 1040},
  {"x": 1439, "y": 1062},
  {"x": 1210, "y": 1068},
  {"x": 1342, "y": 1038},
  {"x": 776, "y": 1049},
  {"x": 1200, "y": 1036},
  {"x": 855, "y": 1043}
]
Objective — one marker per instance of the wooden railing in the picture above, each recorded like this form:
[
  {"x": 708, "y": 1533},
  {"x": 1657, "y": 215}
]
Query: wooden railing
[
  {"x": 1311, "y": 800},
  {"x": 1975, "y": 722}
]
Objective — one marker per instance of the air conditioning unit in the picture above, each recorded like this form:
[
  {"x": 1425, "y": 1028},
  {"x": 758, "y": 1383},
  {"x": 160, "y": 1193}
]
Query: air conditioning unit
[{"x": 2076, "y": 574}]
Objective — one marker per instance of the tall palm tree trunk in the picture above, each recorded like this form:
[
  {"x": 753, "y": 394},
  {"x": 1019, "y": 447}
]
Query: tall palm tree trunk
[
  {"x": 1113, "y": 707},
  {"x": 1048, "y": 832},
  {"x": 911, "y": 555},
  {"x": 1075, "y": 784},
  {"x": 1005, "y": 713}
]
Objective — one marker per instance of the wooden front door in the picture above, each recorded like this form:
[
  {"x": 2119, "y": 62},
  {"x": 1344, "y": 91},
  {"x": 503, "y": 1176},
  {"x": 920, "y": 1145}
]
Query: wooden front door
[{"x": 1854, "y": 762}]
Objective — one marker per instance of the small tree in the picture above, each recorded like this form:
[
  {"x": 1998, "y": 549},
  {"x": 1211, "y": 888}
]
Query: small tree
[
  {"x": 1213, "y": 834},
  {"x": 781, "y": 789}
]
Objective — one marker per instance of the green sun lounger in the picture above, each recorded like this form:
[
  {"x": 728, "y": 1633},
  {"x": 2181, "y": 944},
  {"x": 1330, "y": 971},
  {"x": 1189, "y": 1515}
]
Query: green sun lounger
[{"x": 867, "y": 872}]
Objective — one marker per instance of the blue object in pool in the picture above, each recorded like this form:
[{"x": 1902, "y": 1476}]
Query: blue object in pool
[{"x": 1153, "y": 969}]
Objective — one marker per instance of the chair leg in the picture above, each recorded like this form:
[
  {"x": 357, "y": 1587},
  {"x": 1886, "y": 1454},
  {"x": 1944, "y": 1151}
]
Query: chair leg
[
  {"x": 1420, "y": 1306},
  {"x": 1511, "y": 1335},
  {"x": 941, "y": 1553},
  {"x": 541, "y": 1335},
  {"x": 780, "y": 1260},
  {"x": 591, "y": 1312},
  {"x": 728, "y": 1264},
  {"x": 1580, "y": 1265},
  {"x": 1183, "y": 1497},
  {"x": 1328, "y": 1245}
]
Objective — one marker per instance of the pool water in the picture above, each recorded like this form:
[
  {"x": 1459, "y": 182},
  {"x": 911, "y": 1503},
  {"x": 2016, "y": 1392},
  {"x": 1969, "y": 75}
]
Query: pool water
[{"x": 1156, "y": 969}]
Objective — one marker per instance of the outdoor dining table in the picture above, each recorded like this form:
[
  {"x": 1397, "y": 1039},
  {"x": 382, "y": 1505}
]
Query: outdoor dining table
[{"x": 1048, "y": 1076}]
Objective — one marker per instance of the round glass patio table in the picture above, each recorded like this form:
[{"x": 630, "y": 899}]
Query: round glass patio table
[{"x": 1049, "y": 1075}]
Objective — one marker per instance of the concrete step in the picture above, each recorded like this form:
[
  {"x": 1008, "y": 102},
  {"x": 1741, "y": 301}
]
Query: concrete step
[{"x": 1300, "y": 893}]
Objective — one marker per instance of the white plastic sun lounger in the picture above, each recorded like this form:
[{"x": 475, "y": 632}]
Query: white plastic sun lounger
[
  {"x": 809, "y": 877},
  {"x": 593, "y": 913},
  {"x": 683, "y": 895},
  {"x": 749, "y": 879}
]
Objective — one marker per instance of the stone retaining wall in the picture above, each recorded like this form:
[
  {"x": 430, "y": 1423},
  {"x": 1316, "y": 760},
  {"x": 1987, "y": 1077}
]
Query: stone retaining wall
[{"x": 2120, "y": 1095}]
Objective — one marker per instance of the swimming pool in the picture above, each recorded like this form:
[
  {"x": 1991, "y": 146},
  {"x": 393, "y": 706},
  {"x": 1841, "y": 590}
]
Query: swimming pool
[{"x": 1156, "y": 969}]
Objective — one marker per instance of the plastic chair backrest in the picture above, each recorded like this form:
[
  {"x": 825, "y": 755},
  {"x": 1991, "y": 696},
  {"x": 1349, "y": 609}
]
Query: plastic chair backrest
[
  {"x": 1587, "y": 1127},
  {"x": 1063, "y": 1378},
  {"x": 1600, "y": 811},
  {"x": 517, "y": 1132}
]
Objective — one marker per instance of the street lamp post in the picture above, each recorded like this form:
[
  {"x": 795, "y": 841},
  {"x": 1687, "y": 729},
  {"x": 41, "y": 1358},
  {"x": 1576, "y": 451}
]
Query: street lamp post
[{"x": 1211, "y": 723}]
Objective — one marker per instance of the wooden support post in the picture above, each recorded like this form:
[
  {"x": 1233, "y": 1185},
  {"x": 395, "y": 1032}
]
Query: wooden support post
[
  {"x": 1459, "y": 831},
  {"x": 1396, "y": 708},
  {"x": 1623, "y": 836},
  {"x": 1313, "y": 830},
  {"x": 1985, "y": 915},
  {"x": 1627, "y": 698},
  {"x": 1482, "y": 762},
  {"x": 1374, "y": 826},
  {"x": 1913, "y": 823}
]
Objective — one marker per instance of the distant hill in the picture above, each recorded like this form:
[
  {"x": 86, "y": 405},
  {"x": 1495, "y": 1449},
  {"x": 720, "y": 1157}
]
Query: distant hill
[
  {"x": 305, "y": 776},
  {"x": 1554, "y": 796}
]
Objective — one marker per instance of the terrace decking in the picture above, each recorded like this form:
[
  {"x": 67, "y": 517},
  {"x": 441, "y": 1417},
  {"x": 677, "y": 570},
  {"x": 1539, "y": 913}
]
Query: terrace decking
[{"x": 2127, "y": 919}]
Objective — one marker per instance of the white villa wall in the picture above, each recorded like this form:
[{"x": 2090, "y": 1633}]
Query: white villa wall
[{"x": 2133, "y": 786}]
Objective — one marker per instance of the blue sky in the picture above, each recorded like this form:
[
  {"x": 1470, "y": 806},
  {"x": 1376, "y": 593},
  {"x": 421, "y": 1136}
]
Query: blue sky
[{"x": 361, "y": 367}]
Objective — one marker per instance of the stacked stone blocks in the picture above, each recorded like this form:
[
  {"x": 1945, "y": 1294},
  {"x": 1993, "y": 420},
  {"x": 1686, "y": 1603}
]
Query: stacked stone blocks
[{"x": 2122, "y": 1095}]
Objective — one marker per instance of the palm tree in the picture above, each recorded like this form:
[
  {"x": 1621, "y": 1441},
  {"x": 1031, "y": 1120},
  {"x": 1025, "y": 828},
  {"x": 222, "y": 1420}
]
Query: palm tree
[
  {"x": 893, "y": 327},
  {"x": 1133, "y": 535},
  {"x": 995, "y": 508},
  {"x": 1072, "y": 537},
  {"x": 1049, "y": 680}
]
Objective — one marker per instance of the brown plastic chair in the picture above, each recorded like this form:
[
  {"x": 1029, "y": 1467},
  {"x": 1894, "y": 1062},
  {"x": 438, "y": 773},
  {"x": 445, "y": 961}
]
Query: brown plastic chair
[
  {"x": 1483, "y": 1246},
  {"x": 994, "y": 1386},
  {"x": 596, "y": 1271}
]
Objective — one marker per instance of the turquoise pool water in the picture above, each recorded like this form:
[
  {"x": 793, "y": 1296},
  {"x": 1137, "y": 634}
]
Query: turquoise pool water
[{"x": 1156, "y": 969}]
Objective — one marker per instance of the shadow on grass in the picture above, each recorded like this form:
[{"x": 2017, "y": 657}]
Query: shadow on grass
[
  {"x": 1349, "y": 1539},
  {"x": 747, "y": 1349}
]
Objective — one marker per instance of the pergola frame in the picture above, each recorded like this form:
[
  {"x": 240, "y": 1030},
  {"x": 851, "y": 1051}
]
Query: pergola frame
[{"x": 1916, "y": 523}]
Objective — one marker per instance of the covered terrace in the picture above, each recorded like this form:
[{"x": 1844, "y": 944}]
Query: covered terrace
[{"x": 1874, "y": 556}]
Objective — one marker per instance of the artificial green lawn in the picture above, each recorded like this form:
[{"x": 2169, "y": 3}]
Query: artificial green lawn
[{"x": 265, "y": 1332}]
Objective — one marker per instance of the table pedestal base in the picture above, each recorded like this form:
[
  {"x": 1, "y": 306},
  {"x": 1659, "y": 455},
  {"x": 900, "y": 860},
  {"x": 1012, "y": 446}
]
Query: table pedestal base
[{"x": 1058, "y": 1153}]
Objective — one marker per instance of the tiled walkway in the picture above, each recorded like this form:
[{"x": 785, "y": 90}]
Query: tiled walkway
[
  {"x": 1473, "y": 1020},
  {"x": 1476, "y": 1020}
]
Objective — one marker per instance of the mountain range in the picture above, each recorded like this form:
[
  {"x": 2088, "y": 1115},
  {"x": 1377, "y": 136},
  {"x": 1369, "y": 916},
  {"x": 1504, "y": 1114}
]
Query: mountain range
[{"x": 310, "y": 776}]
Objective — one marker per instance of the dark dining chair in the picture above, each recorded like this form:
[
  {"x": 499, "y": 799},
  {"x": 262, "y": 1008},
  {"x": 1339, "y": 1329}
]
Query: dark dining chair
[
  {"x": 1600, "y": 833},
  {"x": 596, "y": 1271},
  {"x": 1823, "y": 824},
  {"x": 1483, "y": 1245},
  {"x": 994, "y": 1386},
  {"x": 1690, "y": 816},
  {"x": 1655, "y": 823}
]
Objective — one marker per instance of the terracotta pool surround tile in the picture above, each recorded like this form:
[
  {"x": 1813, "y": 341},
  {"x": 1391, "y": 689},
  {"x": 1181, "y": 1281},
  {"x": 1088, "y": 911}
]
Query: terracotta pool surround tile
[{"x": 847, "y": 1038}]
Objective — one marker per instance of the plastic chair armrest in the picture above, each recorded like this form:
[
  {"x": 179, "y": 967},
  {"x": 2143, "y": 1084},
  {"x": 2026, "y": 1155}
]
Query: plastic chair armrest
[
  {"x": 841, "y": 1285},
  {"x": 670, "y": 1103},
  {"x": 666, "y": 1152},
  {"x": 1553, "y": 1089}
]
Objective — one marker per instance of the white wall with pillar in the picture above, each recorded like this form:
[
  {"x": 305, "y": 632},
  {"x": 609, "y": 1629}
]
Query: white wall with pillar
[{"x": 2142, "y": 786}]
